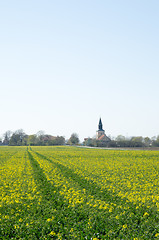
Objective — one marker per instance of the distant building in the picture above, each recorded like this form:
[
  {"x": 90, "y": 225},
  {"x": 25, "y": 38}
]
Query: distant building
[
  {"x": 101, "y": 139},
  {"x": 100, "y": 134}
]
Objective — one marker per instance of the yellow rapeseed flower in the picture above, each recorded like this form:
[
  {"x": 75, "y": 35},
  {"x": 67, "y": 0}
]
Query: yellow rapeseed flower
[
  {"x": 125, "y": 226},
  {"x": 52, "y": 233}
]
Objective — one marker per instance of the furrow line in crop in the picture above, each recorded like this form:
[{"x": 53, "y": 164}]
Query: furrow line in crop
[{"x": 117, "y": 207}]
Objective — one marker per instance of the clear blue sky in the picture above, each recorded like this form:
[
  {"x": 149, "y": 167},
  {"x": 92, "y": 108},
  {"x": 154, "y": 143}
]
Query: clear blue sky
[{"x": 63, "y": 64}]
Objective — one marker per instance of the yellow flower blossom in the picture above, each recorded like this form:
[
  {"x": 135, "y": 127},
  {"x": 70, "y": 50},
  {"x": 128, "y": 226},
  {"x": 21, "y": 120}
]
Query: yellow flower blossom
[
  {"x": 52, "y": 233},
  {"x": 125, "y": 226}
]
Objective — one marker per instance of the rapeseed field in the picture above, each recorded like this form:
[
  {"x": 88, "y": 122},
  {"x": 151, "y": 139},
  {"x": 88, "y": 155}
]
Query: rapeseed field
[{"x": 78, "y": 193}]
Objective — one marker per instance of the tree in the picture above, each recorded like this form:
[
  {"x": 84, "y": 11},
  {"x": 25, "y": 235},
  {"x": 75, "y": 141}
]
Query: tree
[
  {"x": 7, "y": 136},
  {"x": 155, "y": 141},
  {"x": 40, "y": 136},
  {"x": 147, "y": 141},
  {"x": 120, "y": 141},
  {"x": 60, "y": 140},
  {"x": 32, "y": 140},
  {"x": 18, "y": 138},
  {"x": 74, "y": 139},
  {"x": 137, "y": 141},
  {"x": 90, "y": 142},
  {"x": 120, "y": 138}
]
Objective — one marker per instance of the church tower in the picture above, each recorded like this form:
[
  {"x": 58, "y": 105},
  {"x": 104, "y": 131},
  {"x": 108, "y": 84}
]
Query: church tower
[
  {"x": 100, "y": 131},
  {"x": 100, "y": 134}
]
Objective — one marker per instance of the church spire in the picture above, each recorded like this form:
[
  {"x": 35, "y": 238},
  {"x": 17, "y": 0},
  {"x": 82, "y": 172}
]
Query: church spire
[{"x": 100, "y": 125}]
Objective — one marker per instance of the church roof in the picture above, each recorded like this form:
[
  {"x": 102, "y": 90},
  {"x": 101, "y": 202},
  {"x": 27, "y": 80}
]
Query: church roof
[{"x": 101, "y": 137}]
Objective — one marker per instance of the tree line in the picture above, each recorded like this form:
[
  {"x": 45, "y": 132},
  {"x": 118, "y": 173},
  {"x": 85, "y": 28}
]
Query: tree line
[
  {"x": 122, "y": 141},
  {"x": 20, "y": 138}
]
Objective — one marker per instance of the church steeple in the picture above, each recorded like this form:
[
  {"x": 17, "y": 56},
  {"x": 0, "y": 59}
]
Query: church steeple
[
  {"x": 100, "y": 125},
  {"x": 100, "y": 134}
]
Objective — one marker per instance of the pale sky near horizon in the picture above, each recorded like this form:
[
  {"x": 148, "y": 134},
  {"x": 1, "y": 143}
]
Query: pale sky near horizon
[{"x": 64, "y": 64}]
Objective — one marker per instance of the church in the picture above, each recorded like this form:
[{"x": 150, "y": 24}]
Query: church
[
  {"x": 101, "y": 139},
  {"x": 100, "y": 134}
]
